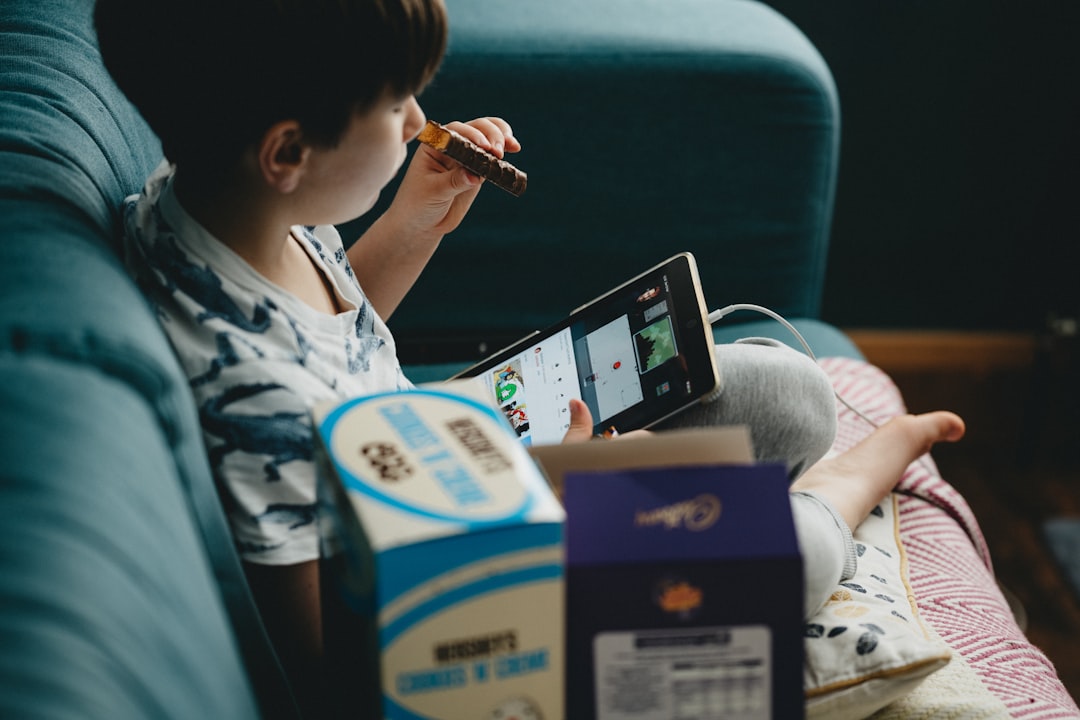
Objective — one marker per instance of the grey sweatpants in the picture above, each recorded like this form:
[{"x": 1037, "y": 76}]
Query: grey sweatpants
[{"x": 787, "y": 402}]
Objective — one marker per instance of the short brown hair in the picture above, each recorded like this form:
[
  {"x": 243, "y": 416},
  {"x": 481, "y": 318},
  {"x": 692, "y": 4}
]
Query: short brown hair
[{"x": 211, "y": 76}]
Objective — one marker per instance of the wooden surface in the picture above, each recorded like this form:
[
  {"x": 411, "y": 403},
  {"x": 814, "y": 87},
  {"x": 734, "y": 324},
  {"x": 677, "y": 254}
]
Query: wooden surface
[{"x": 936, "y": 350}]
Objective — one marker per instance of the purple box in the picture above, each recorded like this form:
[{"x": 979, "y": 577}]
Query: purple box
[{"x": 684, "y": 595}]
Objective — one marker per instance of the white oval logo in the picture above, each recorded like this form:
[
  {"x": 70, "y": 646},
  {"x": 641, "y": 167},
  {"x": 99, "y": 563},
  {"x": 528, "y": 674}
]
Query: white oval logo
[{"x": 431, "y": 453}]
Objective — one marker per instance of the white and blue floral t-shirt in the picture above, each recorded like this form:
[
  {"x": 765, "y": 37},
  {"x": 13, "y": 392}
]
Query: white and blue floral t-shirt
[{"x": 258, "y": 359}]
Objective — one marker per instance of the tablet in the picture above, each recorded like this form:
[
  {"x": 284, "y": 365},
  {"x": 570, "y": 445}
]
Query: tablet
[{"x": 636, "y": 355}]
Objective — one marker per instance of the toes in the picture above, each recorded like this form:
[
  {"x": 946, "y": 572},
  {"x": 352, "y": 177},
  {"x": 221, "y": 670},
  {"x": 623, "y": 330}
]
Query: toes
[
  {"x": 924, "y": 430},
  {"x": 945, "y": 426}
]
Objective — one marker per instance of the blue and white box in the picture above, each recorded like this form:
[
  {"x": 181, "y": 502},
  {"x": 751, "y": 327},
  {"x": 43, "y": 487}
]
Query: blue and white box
[{"x": 446, "y": 546}]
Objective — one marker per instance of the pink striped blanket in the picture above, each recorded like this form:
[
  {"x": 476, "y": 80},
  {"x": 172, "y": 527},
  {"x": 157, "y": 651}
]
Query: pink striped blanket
[{"x": 949, "y": 563}]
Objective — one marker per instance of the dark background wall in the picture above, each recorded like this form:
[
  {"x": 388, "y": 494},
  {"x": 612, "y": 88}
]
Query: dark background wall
[{"x": 957, "y": 204}]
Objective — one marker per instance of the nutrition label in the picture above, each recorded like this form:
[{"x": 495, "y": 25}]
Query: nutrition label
[{"x": 696, "y": 674}]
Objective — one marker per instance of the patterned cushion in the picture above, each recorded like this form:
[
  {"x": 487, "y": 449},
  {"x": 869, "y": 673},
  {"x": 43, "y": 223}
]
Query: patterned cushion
[{"x": 868, "y": 645}]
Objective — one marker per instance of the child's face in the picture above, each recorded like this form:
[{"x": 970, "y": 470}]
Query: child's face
[{"x": 343, "y": 182}]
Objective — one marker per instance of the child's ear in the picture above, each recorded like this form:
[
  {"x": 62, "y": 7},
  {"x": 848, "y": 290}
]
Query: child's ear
[{"x": 282, "y": 155}]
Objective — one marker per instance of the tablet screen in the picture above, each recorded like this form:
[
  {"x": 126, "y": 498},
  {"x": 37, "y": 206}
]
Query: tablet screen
[{"x": 635, "y": 356}]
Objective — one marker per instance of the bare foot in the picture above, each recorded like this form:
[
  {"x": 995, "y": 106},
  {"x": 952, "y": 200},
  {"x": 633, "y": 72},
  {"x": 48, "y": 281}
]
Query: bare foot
[{"x": 857, "y": 480}]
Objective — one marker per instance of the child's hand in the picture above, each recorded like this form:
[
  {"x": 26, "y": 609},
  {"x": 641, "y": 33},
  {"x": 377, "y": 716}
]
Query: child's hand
[
  {"x": 437, "y": 191},
  {"x": 434, "y": 196},
  {"x": 581, "y": 425}
]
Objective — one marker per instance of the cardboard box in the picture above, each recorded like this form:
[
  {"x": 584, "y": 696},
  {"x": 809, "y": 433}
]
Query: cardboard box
[
  {"x": 445, "y": 543},
  {"x": 684, "y": 580}
]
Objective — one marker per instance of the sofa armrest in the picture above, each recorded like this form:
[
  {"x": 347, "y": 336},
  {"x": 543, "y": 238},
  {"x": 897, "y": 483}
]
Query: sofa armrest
[{"x": 111, "y": 608}]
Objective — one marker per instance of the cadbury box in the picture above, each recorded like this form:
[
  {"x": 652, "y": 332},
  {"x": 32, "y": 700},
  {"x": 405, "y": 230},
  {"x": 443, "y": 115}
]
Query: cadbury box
[
  {"x": 684, "y": 579},
  {"x": 443, "y": 543},
  {"x": 684, "y": 587}
]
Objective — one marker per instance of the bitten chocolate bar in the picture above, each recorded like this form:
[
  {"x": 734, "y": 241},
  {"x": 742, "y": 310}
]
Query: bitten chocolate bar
[{"x": 474, "y": 158}]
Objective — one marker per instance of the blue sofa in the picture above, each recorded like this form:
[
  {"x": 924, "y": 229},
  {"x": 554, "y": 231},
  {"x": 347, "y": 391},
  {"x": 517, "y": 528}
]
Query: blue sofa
[{"x": 702, "y": 125}]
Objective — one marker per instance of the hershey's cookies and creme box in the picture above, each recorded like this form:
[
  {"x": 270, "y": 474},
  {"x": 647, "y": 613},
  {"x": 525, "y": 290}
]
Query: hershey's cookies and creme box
[{"x": 445, "y": 544}]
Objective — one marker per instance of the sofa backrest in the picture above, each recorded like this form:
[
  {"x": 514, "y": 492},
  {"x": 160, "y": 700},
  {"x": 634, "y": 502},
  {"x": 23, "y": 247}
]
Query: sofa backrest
[
  {"x": 648, "y": 127},
  {"x": 122, "y": 595}
]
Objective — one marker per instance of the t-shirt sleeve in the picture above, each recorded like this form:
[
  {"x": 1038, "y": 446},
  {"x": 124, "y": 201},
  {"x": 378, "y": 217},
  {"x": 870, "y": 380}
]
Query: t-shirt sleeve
[{"x": 260, "y": 444}]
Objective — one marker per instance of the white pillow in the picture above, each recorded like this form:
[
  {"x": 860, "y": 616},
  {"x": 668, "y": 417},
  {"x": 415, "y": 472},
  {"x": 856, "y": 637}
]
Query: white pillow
[
  {"x": 954, "y": 691},
  {"x": 868, "y": 646}
]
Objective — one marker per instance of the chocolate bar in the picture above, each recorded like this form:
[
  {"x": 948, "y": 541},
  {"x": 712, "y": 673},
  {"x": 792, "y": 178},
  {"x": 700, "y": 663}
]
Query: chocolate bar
[{"x": 474, "y": 158}]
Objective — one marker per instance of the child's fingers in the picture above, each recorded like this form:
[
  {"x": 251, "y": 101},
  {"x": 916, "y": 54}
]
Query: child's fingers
[
  {"x": 511, "y": 143},
  {"x": 581, "y": 424},
  {"x": 457, "y": 177},
  {"x": 490, "y": 133},
  {"x": 461, "y": 179}
]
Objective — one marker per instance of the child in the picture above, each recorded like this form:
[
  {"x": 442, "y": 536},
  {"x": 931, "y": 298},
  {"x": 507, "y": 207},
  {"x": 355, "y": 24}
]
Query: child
[{"x": 281, "y": 118}]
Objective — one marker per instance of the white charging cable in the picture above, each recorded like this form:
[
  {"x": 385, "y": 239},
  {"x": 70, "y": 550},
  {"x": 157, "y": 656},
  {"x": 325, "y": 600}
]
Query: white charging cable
[{"x": 716, "y": 315}]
